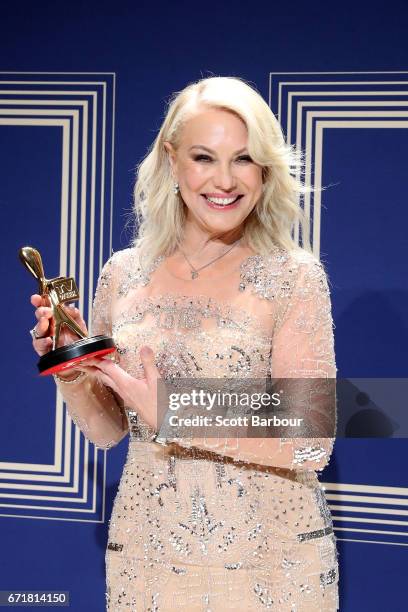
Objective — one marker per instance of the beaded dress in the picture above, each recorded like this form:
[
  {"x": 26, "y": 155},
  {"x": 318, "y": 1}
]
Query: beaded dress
[{"x": 240, "y": 526}]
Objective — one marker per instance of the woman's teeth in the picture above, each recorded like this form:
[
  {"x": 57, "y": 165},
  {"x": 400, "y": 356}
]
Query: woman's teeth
[{"x": 222, "y": 201}]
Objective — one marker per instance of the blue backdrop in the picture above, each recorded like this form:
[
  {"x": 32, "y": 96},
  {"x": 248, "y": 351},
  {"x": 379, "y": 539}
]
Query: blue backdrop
[{"x": 82, "y": 95}]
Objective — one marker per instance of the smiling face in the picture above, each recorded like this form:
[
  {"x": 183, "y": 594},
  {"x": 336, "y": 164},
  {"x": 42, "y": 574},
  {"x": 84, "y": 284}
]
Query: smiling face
[{"x": 219, "y": 182}]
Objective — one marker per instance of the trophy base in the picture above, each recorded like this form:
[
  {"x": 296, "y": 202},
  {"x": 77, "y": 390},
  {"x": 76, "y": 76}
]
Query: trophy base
[{"x": 68, "y": 356}]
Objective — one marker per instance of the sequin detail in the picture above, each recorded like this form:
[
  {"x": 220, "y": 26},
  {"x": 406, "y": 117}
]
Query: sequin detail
[
  {"x": 266, "y": 275},
  {"x": 311, "y": 535},
  {"x": 328, "y": 577},
  {"x": 135, "y": 274},
  {"x": 309, "y": 453}
]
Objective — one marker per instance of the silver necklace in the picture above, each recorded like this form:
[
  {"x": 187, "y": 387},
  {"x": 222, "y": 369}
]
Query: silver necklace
[{"x": 195, "y": 271}]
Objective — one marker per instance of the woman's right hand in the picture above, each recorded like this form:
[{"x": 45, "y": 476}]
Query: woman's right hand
[{"x": 45, "y": 327}]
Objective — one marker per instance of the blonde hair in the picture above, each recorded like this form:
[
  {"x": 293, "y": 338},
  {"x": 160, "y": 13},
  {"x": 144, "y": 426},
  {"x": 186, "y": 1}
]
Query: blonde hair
[{"x": 160, "y": 213}]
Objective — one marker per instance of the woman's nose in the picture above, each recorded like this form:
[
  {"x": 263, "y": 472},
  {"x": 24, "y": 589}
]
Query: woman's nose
[{"x": 224, "y": 178}]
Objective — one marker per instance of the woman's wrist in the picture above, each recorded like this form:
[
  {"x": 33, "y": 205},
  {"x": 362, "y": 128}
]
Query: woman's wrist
[{"x": 71, "y": 378}]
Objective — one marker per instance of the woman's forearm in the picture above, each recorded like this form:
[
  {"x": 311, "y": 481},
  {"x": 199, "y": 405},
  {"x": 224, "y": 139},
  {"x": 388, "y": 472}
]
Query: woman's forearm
[{"x": 96, "y": 410}]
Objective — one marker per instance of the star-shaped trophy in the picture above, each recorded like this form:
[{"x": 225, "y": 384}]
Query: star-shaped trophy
[{"x": 57, "y": 292}]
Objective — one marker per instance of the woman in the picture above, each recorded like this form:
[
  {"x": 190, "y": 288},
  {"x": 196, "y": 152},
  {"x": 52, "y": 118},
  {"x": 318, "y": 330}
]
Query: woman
[{"x": 214, "y": 287}]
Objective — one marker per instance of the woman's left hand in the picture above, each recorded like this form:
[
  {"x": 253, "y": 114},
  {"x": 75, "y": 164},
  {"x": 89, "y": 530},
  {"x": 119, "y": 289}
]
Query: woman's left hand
[{"x": 140, "y": 394}]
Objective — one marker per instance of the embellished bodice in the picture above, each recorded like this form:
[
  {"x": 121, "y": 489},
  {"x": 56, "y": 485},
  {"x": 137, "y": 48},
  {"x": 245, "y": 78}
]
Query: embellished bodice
[
  {"x": 192, "y": 336},
  {"x": 270, "y": 317}
]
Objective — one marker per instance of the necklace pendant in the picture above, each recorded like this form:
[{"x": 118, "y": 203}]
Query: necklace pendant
[{"x": 194, "y": 274}]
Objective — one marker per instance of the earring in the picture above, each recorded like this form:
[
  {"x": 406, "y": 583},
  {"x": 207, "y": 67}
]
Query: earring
[{"x": 176, "y": 188}]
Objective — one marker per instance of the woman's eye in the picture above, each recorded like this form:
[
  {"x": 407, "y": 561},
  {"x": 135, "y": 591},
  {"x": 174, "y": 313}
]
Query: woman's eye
[
  {"x": 244, "y": 158},
  {"x": 205, "y": 158}
]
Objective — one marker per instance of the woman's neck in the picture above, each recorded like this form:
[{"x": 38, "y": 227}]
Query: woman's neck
[{"x": 196, "y": 241}]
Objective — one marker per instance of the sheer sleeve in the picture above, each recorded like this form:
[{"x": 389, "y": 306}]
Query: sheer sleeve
[
  {"x": 303, "y": 369},
  {"x": 92, "y": 406}
]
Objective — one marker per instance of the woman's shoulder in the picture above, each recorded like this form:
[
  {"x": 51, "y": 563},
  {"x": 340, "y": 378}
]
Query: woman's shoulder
[
  {"x": 295, "y": 256},
  {"x": 304, "y": 271},
  {"x": 120, "y": 263},
  {"x": 128, "y": 270},
  {"x": 123, "y": 257},
  {"x": 118, "y": 266},
  {"x": 280, "y": 256},
  {"x": 295, "y": 263},
  {"x": 274, "y": 274}
]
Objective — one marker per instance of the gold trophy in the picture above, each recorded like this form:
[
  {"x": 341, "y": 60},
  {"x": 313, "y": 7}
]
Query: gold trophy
[{"x": 57, "y": 291}]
